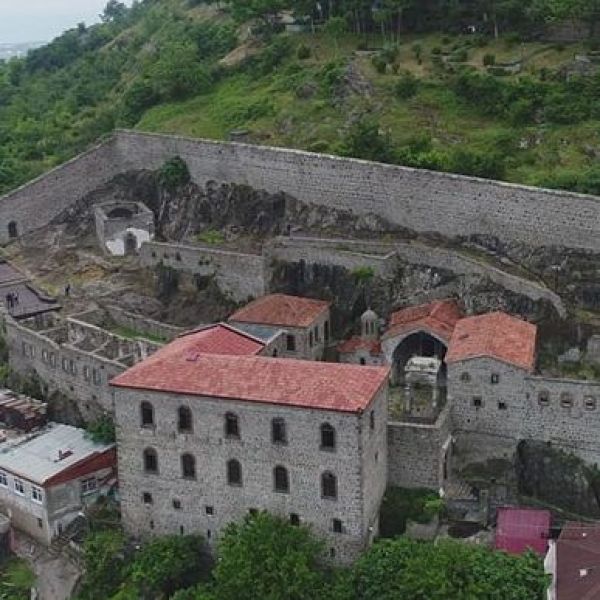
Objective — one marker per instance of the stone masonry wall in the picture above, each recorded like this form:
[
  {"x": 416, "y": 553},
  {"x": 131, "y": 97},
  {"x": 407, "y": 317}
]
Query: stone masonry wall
[
  {"x": 242, "y": 276},
  {"x": 511, "y": 410},
  {"x": 424, "y": 201},
  {"x": 36, "y": 203},
  {"x": 143, "y": 325},
  {"x": 416, "y": 452},
  {"x": 302, "y": 457}
]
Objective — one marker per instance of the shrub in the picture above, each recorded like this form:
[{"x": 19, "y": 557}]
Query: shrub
[
  {"x": 401, "y": 505},
  {"x": 174, "y": 173},
  {"x": 211, "y": 236},
  {"x": 407, "y": 86},
  {"x": 446, "y": 40},
  {"x": 489, "y": 60},
  {"x": 102, "y": 430},
  {"x": 498, "y": 71},
  {"x": 319, "y": 146},
  {"x": 436, "y": 51},
  {"x": 417, "y": 50},
  {"x": 460, "y": 55},
  {"x": 303, "y": 52},
  {"x": 379, "y": 63}
]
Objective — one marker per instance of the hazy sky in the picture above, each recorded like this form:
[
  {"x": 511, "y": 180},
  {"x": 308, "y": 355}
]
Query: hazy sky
[{"x": 42, "y": 20}]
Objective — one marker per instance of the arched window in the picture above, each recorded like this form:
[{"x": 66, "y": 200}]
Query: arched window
[
  {"x": 464, "y": 376},
  {"x": 544, "y": 398},
  {"x": 147, "y": 498},
  {"x": 150, "y": 460},
  {"x": 566, "y": 400},
  {"x": 281, "y": 480},
  {"x": 327, "y": 437},
  {"x": 232, "y": 426},
  {"x": 589, "y": 402},
  {"x": 184, "y": 419},
  {"x": 147, "y": 414},
  {"x": 13, "y": 231},
  {"x": 278, "y": 431},
  {"x": 234, "y": 472},
  {"x": 329, "y": 486},
  {"x": 188, "y": 466}
]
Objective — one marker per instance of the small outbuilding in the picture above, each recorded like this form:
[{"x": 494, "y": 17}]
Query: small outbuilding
[{"x": 122, "y": 227}]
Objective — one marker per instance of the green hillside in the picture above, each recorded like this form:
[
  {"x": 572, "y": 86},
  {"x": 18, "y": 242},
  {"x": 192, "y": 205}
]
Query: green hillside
[{"x": 356, "y": 83}]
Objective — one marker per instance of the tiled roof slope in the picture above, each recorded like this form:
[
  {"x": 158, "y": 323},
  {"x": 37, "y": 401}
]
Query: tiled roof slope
[
  {"x": 439, "y": 317},
  {"x": 302, "y": 383},
  {"x": 219, "y": 339},
  {"x": 495, "y": 335},
  {"x": 281, "y": 309},
  {"x": 520, "y": 529},
  {"x": 357, "y": 343},
  {"x": 577, "y": 559}
]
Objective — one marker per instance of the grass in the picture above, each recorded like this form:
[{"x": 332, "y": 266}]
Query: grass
[
  {"x": 132, "y": 334},
  {"x": 16, "y": 580},
  {"x": 268, "y": 107}
]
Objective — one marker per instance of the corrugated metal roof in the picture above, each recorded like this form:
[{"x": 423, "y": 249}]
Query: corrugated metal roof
[
  {"x": 36, "y": 457},
  {"x": 263, "y": 332},
  {"x": 520, "y": 529}
]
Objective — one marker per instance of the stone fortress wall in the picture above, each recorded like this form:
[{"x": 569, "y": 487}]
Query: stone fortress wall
[{"x": 420, "y": 200}]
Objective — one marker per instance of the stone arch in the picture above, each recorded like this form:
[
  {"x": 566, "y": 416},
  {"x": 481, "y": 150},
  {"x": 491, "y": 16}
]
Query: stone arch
[
  {"x": 13, "y": 230},
  {"x": 417, "y": 343}
]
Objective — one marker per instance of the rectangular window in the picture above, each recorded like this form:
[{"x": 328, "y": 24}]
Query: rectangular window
[
  {"x": 477, "y": 402},
  {"x": 501, "y": 405},
  {"x": 310, "y": 339},
  {"x": 290, "y": 342},
  {"x": 88, "y": 485},
  {"x": 495, "y": 378},
  {"x": 40, "y": 523},
  {"x": 97, "y": 377},
  {"x": 337, "y": 526},
  {"x": 3, "y": 479},
  {"x": 19, "y": 487},
  {"x": 209, "y": 510},
  {"x": 294, "y": 519},
  {"x": 317, "y": 334},
  {"x": 36, "y": 494}
]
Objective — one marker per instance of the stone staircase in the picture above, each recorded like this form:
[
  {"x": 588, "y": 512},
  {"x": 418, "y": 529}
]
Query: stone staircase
[{"x": 61, "y": 543}]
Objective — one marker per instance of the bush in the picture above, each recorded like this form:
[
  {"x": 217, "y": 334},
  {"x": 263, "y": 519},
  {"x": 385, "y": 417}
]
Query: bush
[
  {"x": 402, "y": 504},
  {"x": 364, "y": 140},
  {"x": 489, "y": 60},
  {"x": 319, "y": 146},
  {"x": 489, "y": 165},
  {"x": 303, "y": 52},
  {"x": 436, "y": 51},
  {"x": 498, "y": 71},
  {"x": 460, "y": 55},
  {"x": 174, "y": 173},
  {"x": 417, "y": 50},
  {"x": 102, "y": 430},
  {"x": 407, "y": 86},
  {"x": 379, "y": 63}
]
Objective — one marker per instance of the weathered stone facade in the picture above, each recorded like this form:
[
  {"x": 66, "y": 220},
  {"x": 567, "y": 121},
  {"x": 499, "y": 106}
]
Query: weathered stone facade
[
  {"x": 122, "y": 227},
  {"x": 208, "y": 503}
]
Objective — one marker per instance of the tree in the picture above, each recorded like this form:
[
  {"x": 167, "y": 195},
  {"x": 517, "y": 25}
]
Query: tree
[
  {"x": 265, "y": 557},
  {"x": 403, "y": 568},
  {"x": 114, "y": 11},
  {"x": 364, "y": 140}
]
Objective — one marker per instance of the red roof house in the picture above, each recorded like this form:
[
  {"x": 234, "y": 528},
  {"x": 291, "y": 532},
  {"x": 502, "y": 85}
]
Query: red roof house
[
  {"x": 521, "y": 529},
  {"x": 219, "y": 339},
  {"x": 438, "y": 317},
  {"x": 282, "y": 310},
  {"x": 495, "y": 335}
]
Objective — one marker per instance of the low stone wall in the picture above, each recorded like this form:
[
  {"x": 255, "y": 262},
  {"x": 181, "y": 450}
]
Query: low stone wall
[
  {"x": 143, "y": 325},
  {"x": 416, "y": 452},
  {"x": 241, "y": 276}
]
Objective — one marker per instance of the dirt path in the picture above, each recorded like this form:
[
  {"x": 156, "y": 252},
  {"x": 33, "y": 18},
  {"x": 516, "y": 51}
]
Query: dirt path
[{"x": 55, "y": 576}]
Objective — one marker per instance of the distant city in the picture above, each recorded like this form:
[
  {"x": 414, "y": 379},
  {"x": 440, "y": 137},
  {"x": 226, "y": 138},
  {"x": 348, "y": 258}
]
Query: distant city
[{"x": 11, "y": 50}]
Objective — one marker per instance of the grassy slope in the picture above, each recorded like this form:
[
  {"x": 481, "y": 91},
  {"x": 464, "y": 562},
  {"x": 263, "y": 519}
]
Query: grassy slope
[{"x": 300, "y": 123}]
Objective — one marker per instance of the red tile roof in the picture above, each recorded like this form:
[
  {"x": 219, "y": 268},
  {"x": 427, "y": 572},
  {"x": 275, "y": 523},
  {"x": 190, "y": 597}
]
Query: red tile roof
[
  {"x": 438, "y": 317},
  {"x": 357, "y": 343},
  {"x": 302, "y": 383},
  {"x": 283, "y": 310},
  {"x": 495, "y": 335},
  {"x": 219, "y": 339},
  {"x": 520, "y": 529},
  {"x": 577, "y": 560}
]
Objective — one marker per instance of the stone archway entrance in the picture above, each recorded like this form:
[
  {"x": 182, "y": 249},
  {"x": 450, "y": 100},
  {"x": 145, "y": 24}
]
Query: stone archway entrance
[
  {"x": 419, "y": 343},
  {"x": 130, "y": 243},
  {"x": 13, "y": 230}
]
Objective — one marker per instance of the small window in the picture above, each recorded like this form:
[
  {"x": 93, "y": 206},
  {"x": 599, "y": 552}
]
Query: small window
[
  {"x": 331, "y": 552},
  {"x": 495, "y": 378},
  {"x": 151, "y": 524},
  {"x": 178, "y": 257},
  {"x": 290, "y": 343},
  {"x": 329, "y": 486},
  {"x": 465, "y": 377},
  {"x": 87, "y": 374},
  {"x": 147, "y": 498},
  {"x": 590, "y": 403},
  {"x": 181, "y": 530},
  {"x": 326, "y": 331},
  {"x": 45, "y": 355},
  {"x": 176, "y": 504},
  {"x": 184, "y": 417},
  {"x": 317, "y": 334},
  {"x": 372, "y": 420},
  {"x": 40, "y": 523},
  {"x": 252, "y": 512},
  {"x": 52, "y": 359},
  {"x": 36, "y": 494},
  {"x": 275, "y": 353},
  {"x": 150, "y": 460},
  {"x": 97, "y": 377},
  {"x": 72, "y": 367},
  {"x": 502, "y": 405},
  {"x": 13, "y": 230},
  {"x": 234, "y": 472},
  {"x": 232, "y": 428},
  {"x": 208, "y": 534},
  {"x": 209, "y": 510},
  {"x": 327, "y": 437},
  {"x": 19, "y": 487},
  {"x": 294, "y": 519},
  {"x": 3, "y": 479},
  {"x": 337, "y": 526},
  {"x": 65, "y": 365},
  {"x": 153, "y": 254},
  {"x": 89, "y": 486},
  {"x": 363, "y": 361},
  {"x": 281, "y": 481},
  {"x": 544, "y": 398},
  {"x": 566, "y": 400},
  {"x": 278, "y": 431},
  {"x": 147, "y": 414},
  {"x": 477, "y": 402},
  {"x": 188, "y": 466},
  {"x": 310, "y": 339}
]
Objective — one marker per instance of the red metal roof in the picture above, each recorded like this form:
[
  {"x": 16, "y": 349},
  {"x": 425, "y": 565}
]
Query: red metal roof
[
  {"x": 438, "y": 317},
  {"x": 577, "y": 561},
  {"x": 219, "y": 339},
  {"x": 357, "y": 343},
  {"x": 283, "y": 310},
  {"x": 328, "y": 386},
  {"x": 496, "y": 335},
  {"x": 520, "y": 529}
]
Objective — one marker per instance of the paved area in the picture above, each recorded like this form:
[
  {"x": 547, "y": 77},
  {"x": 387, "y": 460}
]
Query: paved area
[{"x": 56, "y": 576}]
